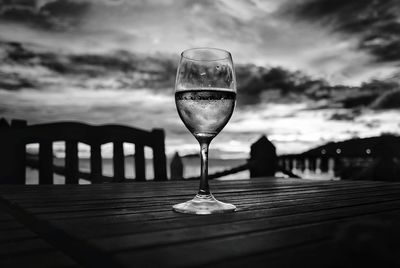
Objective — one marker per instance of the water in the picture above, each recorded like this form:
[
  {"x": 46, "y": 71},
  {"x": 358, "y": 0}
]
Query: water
[
  {"x": 205, "y": 112},
  {"x": 191, "y": 168}
]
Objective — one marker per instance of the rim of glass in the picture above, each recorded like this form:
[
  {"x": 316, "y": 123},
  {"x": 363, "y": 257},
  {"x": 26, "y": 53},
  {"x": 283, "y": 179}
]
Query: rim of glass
[{"x": 227, "y": 53}]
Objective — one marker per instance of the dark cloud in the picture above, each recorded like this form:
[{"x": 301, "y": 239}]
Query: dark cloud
[
  {"x": 358, "y": 99},
  {"x": 366, "y": 95},
  {"x": 12, "y": 81},
  {"x": 375, "y": 22},
  {"x": 255, "y": 81},
  {"x": 388, "y": 100},
  {"x": 258, "y": 84},
  {"x": 54, "y": 15},
  {"x": 127, "y": 69},
  {"x": 16, "y": 52},
  {"x": 137, "y": 71}
]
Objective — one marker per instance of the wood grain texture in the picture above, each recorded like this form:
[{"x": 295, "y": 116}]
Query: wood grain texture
[
  {"x": 279, "y": 222},
  {"x": 22, "y": 247}
]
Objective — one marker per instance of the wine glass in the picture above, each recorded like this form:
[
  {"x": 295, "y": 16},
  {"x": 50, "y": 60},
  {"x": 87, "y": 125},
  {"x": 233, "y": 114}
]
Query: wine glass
[{"x": 205, "y": 96}]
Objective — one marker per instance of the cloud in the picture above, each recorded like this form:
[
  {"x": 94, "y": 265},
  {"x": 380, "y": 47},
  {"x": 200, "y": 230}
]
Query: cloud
[
  {"x": 15, "y": 82},
  {"x": 115, "y": 61},
  {"x": 276, "y": 84},
  {"x": 376, "y": 23},
  {"x": 27, "y": 67},
  {"x": 23, "y": 66},
  {"x": 254, "y": 31},
  {"x": 49, "y": 15},
  {"x": 389, "y": 100}
]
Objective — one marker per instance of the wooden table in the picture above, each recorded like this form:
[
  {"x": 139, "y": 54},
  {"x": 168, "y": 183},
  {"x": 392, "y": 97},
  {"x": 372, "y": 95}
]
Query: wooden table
[{"x": 279, "y": 223}]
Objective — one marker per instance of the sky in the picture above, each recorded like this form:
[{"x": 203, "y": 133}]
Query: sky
[
  {"x": 299, "y": 35},
  {"x": 72, "y": 60}
]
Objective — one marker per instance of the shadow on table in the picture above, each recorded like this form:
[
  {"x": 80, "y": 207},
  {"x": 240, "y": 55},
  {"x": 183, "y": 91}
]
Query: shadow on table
[{"x": 368, "y": 243}]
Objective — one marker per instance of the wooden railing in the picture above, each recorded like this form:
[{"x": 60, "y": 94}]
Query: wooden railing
[
  {"x": 298, "y": 163},
  {"x": 14, "y": 137},
  {"x": 331, "y": 158},
  {"x": 346, "y": 159}
]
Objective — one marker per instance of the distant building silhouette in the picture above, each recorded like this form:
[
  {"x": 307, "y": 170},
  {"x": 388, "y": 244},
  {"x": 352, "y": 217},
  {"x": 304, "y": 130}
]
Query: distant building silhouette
[{"x": 263, "y": 158}]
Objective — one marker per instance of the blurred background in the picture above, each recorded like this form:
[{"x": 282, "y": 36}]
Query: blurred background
[{"x": 308, "y": 71}]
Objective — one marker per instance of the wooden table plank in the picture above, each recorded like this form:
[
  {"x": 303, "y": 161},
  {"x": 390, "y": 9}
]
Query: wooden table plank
[
  {"x": 203, "y": 252},
  {"x": 104, "y": 203},
  {"x": 265, "y": 210},
  {"x": 244, "y": 201},
  {"x": 39, "y": 260},
  {"x": 21, "y": 247},
  {"x": 104, "y": 196},
  {"x": 190, "y": 233},
  {"x": 132, "y": 224}
]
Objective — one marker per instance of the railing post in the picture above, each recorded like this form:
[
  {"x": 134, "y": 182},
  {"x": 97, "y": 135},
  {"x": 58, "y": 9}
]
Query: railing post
[
  {"x": 140, "y": 163},
  {"x": 12, "y": 152},
  {"x": 71, "y": 162},
  {"x": 159, "y": 158},
  {"x": 45, "y": 162},
  {"x": 289, "y": 164},
  {"x": 12, "y": 162},
  {"x": 20, "y": 152},
  {"x": 312, "y": 161},
  {"x": 96, "y": 171},
  {"x": 118, "y": 161},
  {"x": 20, "y": 162}
]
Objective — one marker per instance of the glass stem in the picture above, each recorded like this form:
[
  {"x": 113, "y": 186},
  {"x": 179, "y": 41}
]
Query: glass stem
[{"x": 204, "y": 188}]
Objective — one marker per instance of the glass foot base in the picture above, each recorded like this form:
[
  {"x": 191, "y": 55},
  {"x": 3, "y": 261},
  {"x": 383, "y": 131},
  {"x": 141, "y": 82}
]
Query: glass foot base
[{"x": 204, "y": 204}]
